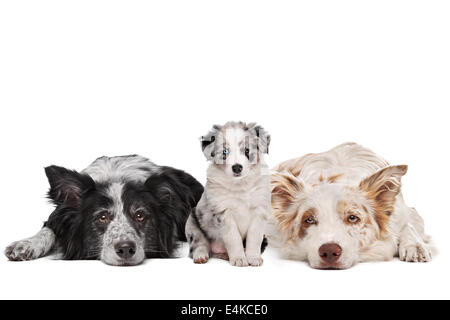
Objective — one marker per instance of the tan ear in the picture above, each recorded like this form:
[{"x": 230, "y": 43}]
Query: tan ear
[
  {"x": 285, "y": 191},
  {"x": 382, "y": 187}
]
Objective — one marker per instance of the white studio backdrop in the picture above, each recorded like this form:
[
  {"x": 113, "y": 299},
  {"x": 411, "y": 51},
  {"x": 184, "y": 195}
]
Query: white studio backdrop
[{"x": 82, "y": 79}]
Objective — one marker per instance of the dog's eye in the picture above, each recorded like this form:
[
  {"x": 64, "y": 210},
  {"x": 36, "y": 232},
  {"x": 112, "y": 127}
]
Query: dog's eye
[
  {"x": 103, "y": 217},
  {"x": 353, "y": 219},
  {"x": 247, "y": 153},
  {"x": 310, "y": 220},
  {"x": 140, "y": 216},
  {"x": 225, "y": 154}
]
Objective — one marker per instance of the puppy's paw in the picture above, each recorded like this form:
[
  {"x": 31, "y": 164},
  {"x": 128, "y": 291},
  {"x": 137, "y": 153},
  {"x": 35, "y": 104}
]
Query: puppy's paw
[
  {"x": 239, "y": 261},
  {"x": 223, "y": 256},
  {"x": 23, "y": 250},
  {"x": 255, "y": 261},
  {"x": 200, "y": 257},
  {"x": 418, "y": 252}
]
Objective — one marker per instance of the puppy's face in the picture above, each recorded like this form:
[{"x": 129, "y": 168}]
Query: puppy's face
[
  {"x": 119, "y": 222},
  {"x": 236, "y": 147},
  {"x": 330, "y": 224}
]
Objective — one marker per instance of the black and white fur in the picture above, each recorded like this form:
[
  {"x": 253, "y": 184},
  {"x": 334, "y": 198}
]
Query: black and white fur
[
  {"x": 120, "y": 210},
  {"x": 230, "y": 218}
]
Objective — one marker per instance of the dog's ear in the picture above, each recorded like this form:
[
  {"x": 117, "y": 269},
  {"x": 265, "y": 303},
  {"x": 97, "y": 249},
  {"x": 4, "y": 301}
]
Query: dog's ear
[
  {"x": 178, "y": 193},
  {"x": 382, "y": 188},
  {"x": 170, "y": 181},
  {"x": 262, "y": 135},
  {"x": 67, "y": 186},
  {"x": 207, "y": 142},
  {"x": 285, "y": 189}
]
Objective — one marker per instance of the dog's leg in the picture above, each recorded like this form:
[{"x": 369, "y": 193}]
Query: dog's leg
[
  {"x": 414, "y": 245},
  {"x": 233, "y": 242},
  {"x": 198, "y": 243},
  {"x": 255, "y": 236},
  {"x": 32, "y": 248}
]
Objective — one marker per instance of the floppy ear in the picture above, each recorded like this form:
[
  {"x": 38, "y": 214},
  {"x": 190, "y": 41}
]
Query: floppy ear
[
  {"x": 67, "y": 186},
  {"x": 382, "y": 187},
  {"x": 263, "y": 137},
  {"x": 171, "y": 182},
  {"x": 207, "y": 142},
  {"x": 285, "y": 190},
  {"x": 178, "y": 193}
]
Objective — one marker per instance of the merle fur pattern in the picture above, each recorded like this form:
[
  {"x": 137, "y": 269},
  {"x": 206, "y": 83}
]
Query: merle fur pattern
[
  {"x": 230, "y": 218},
  {"x": 114, "y": 200}
]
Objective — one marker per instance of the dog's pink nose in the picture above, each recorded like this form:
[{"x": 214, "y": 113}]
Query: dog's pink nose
[{"x": 330, "y": 252}]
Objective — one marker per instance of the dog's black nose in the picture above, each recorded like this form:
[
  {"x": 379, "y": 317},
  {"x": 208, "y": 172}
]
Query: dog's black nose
[
  {"x": 330, "y": 252},
  {"x": 237, "y": 168},
  {"x": 125, "y": 249}
]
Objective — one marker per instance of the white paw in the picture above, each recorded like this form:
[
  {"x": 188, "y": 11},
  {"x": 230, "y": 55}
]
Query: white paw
[
  {"x": 200, "y": 257},
  {"x": 239, "y": 261},
  {"x": 415, "y": 253},
  {"x": 23, "y": 250},
  {"x": 255, "y": 261}
]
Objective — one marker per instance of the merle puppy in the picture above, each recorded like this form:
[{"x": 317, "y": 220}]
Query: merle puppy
[
  {"x": 230, "y": 219},
  {"x": 120, "y": 210}
]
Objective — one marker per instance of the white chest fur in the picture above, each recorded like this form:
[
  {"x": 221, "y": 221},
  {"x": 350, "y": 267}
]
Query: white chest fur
[{"x": 244, "y": 199}]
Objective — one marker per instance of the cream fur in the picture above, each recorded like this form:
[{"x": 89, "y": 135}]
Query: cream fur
[{"x": 331, "y": 183}]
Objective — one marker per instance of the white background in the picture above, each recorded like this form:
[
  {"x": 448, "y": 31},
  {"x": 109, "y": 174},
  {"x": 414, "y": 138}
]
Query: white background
[{"x": 82, "y": 79}]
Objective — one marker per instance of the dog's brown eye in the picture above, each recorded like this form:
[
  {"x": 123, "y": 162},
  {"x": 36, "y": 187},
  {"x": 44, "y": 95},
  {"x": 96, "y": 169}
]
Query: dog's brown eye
[
  {"x": 103, "y": 217},
  {"x": 353, "y": 219},
  {"x": 140, "y": 216}
]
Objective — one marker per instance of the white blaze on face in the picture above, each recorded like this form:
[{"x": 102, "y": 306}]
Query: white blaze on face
[
  {"x": 330, "y": 228},
  {"x": 120, "y": 230},
  {"x": 234, "y": 141}
]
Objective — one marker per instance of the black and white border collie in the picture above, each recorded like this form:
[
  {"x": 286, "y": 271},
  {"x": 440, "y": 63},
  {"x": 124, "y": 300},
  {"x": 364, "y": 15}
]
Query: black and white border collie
[{"x": 121, "y": 210}]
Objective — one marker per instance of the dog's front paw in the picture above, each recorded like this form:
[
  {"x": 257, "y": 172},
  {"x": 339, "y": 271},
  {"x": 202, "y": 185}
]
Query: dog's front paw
[
  {"x": 415, "y": 253},
  {"x": 255, "y": 261},
  {"x": 239, "y": 261},
  {"x": 22, "y": 251},
  {"x": 200, "y": 257}
]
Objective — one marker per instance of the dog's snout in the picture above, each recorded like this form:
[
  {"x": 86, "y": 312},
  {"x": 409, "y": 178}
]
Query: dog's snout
[
  {"x": 237, "y": 168},
  {"x": 330, "y": 252},
  {"x": 125, "y": 249}
]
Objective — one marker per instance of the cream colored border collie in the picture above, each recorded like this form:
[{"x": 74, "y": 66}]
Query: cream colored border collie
[{"x": 344, "y": 206}]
